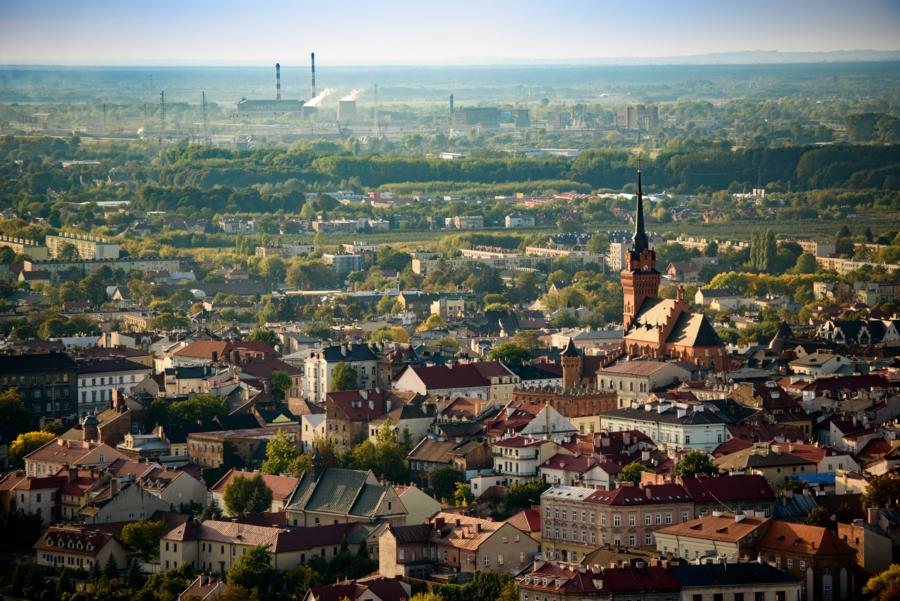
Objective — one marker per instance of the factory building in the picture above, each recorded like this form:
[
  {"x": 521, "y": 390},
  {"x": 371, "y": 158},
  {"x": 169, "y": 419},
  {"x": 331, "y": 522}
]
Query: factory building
[
  {"x": 639, "y": 117},
  {"x": 258, "y": 109},
  {"x": 347, "y": 110},
  {"x": 470, "y": 117}
]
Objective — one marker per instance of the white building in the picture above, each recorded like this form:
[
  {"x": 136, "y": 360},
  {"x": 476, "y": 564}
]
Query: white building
[
  {"x": 320, "y": 364},
  {"x": 98, "y": 379}
]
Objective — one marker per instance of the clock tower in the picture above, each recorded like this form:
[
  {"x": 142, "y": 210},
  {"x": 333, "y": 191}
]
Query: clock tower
[{"x": 640, "y": 279}]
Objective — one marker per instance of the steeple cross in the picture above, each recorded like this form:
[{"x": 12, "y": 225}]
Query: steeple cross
[{"x": 639, "y": 159}]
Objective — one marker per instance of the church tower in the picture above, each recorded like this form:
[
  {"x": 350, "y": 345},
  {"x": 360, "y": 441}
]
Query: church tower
[
  {"x": 640, "y": 279},
  {"x": 571, "y": 365}
]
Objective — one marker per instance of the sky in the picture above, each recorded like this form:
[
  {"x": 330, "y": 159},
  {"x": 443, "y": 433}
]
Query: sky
[{"x": 352, "y": 32}]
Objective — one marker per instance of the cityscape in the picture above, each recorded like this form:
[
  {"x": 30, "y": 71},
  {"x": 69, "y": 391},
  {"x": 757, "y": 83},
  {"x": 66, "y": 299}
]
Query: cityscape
[{"x": 458, "y": 317}]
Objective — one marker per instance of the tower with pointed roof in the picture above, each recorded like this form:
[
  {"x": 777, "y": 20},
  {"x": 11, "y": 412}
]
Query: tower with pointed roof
[
  {"x": 640, "y": 279},
  {"x": 657, "y": 328},
  {"x": 571, "y": 365},
  {"x": 318, "y": 464}
]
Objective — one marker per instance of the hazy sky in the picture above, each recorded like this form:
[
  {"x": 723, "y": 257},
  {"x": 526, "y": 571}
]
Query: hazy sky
[{"x": 350, "y": 31}]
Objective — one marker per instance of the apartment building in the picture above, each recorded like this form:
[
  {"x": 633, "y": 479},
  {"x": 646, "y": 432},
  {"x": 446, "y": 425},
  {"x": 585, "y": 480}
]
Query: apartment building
[
  {"x": 88, "y": 247},
  {"x": 451, "y": 543},
  {"x": 46, "y": 384},
  {"x": 320, "y": 364},
  {"x": 577, "y": 520},
  {"x": 730, "y": 535},
  {"x": 98, "y": 379}
]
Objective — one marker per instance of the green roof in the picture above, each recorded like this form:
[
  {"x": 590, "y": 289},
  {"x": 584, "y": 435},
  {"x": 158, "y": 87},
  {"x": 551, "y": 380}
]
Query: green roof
[{"x": 337, "y": 491}]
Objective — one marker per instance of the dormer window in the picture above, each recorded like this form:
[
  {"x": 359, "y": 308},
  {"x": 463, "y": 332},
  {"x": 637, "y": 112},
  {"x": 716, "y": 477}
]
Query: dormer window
[{"x": 49, "y": 543}]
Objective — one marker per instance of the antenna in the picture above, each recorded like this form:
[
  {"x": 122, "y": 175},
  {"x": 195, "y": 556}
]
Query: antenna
[
  {"x": 203, "y": 117},
  {"x": 104, "y": 115},
  {"x": 376, "y": 110}
]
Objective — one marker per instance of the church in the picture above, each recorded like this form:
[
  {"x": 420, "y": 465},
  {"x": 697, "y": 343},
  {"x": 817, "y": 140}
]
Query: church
[{"x": 656, "y": 328}]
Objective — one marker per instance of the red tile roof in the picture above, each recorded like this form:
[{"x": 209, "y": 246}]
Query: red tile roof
[
  {"x": 282, "y": 486},
  {"x": 527, "y": 520},
  {"x": 797, "y": 538},
  {"x": 634, "y": 496},
  {"x": 727, "y": 488}
]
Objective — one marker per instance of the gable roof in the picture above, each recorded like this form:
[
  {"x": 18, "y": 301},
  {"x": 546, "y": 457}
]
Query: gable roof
[
  {"x": 724, "y": 527},
  {"x": 282, "y": 486},
  {"x": 798, "y": 538},
  {"x": 338, "y": 491}
]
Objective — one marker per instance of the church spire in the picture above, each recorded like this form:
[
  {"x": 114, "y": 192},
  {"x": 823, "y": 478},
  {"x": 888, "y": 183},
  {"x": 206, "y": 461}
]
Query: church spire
[{"x": 640, "y": 240}]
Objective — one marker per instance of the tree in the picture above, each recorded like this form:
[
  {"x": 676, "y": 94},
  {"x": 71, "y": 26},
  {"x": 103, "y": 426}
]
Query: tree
[
  {"x": 567, "y": 226},
  {"x": 201, "y": 408},
  {"x": 96, "y": 572},
  {"x": 529, "y": 339},
  {"x": 510, "y": 592},
  {"x": 695, "y": 463},
  {"x": 463, "y": 496},
  {"x": 528, "y": 286},
  {"x": 564, "y": 320},
  {"x": 19, "y": 530},
  {"x": 446, "y": 342},
  {"x": 819, "y": 516},
  {"x": 111, "y": 567},
  {"x": 135, "y": 576},
  {"x": 319, "y": 330},
  {"x": 143, "y": 537},
  {"x": 882, "y": 492},
  {"x": 509, "y": 352},
  {"x": 27, "y": 443},
  {"x": 385, "y": 305},
  {"x": 279, "y": 384},
  {"x": 433, "y": 322},
  {"x": 253, "y": 569},
  {"x": 806, "y": 264},
  {"x": 632, "y": 472},
  {"x": 344, "y": 377},
  {"x": 406, "y": 441},
  {"x": 240, "y": 492},
  {"x": 522, "y": 495},
  {"x": 281, "y": 452},
  {"x": 267, "y": 336},
  {"x": 212, "y": 511},
  {"x": 443, "y": 482},
  {"x": 884, "y": 586},
  {"x": 12, "y": 411},
  {"x": 598, "y": 244}
]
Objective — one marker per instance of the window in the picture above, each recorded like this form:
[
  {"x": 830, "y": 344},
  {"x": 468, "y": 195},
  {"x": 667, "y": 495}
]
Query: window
[
  {"x": 556, "y": 512},
  {"x": 547, "y": 533},
  {"x": 631, "y": 520},
  {"x": 499, "y": 558},
  {"x": 778, "y": 562},
  {"x": 687, "y": 439},
  {"x": 617, "y": 520},
  {"x": 790, "y": 563},
  {"x": 582, "y": 517},
  {"x": 563, "y": 514},
  {"x": 547, "y": 512},
  {"x": 648, "y": 539},
  {"x": 631, "y": 540},
  {"x": 564, "y": 534},
  {"x": 584, "y": 536},
  {"x": 223, "y": 550},
  {"x": 684, "y": 516},
  {"x": 658, "y": 519},
  {"x": 802, "y": 565},
  {"x": 826, "y": 588},
  {"x": 647, "y": 519},
  {"x": 593, "y": 538},
  {"x": 592, "y": 517},
  {"x": 603, "y": 519},
  {"x": 487, "y": 560},
  {"x": 668, "y": 518},
  {"x": 618, "y": 540}
]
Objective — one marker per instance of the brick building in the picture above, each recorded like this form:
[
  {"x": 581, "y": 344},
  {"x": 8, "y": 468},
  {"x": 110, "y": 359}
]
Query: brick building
[
  {"x": 825, "y": 563},
  {"x": 206, "y": 448}
]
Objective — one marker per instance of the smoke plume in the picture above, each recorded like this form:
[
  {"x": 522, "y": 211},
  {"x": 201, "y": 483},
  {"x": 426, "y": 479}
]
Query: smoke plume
[
  {"x": 318, "y": 99},
  {"x": 353, "y": 95}
]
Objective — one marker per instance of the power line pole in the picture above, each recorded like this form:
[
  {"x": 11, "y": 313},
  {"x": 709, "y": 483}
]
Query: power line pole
[
  {"x": 376, "y": 110},
  {"x": 203, "y": 117},
  {"x": 162, "y": 115}
]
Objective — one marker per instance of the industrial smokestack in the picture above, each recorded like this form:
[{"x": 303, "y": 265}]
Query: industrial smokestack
[
  {"x": 451, "y": 104},
  {"x": 277, "y": 81},
  {"x": 313, "y": 55}
]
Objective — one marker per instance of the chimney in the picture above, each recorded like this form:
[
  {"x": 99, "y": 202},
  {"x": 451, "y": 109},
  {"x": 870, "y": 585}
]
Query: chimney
[
  {"x": 873, "y": 515},
  {"x": 478, "y": 527},
  {"x": 438, "y": 523},
  {"x": 277, "y": 81},
  {"x": 313, "y": 58},
  {"x": 458, "y": 521}
]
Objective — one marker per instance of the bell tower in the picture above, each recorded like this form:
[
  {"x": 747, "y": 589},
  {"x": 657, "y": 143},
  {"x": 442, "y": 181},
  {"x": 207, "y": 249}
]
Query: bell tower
[{"x": 640, "y": 279}]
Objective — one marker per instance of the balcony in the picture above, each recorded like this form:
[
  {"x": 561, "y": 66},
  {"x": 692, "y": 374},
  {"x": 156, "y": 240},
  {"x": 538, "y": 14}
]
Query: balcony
[{"x": 523, "y": 474}]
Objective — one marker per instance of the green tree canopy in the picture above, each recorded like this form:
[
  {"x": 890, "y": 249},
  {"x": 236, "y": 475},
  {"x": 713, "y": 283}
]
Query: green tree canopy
[
  {"x": 143, "y": 537},
  {"x": 344, "y": 377},
  {"x": 695, "y": 463},
  {"x": 244, "y": 495},
  {"x": 510, "y": 352}
]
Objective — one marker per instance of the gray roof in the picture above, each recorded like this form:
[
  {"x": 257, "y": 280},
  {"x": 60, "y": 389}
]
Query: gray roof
[
  {"x": 794, "y": 508},
  {"x": 733, "y": 574},
  {"x": 338, "y": 491}
]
